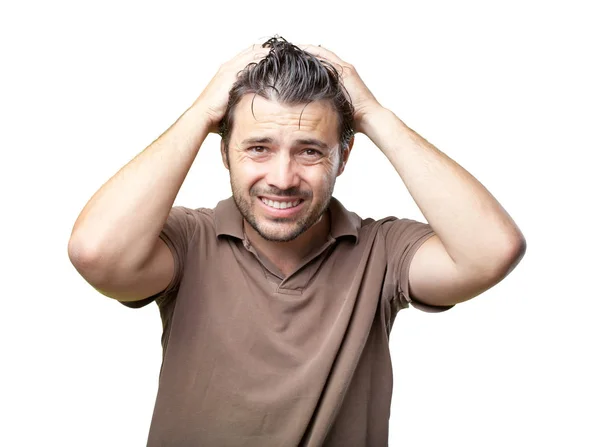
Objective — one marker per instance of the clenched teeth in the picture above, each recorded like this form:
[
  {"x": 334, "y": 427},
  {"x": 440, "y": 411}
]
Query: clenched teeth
[{"x": 280, "y": 205}]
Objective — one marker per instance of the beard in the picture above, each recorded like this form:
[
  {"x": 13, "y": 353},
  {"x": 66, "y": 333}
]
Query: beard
[{"x": 279, "y": 229}]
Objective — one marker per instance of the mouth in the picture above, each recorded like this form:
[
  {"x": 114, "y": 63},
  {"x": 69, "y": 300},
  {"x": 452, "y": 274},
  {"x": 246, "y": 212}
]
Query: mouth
[{"x": 282, "y": 207}]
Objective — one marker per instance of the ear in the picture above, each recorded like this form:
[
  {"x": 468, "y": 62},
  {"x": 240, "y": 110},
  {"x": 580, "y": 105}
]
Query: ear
[
  {"x": 345, "y": 155},
  {"x": 224, "y": 155}
]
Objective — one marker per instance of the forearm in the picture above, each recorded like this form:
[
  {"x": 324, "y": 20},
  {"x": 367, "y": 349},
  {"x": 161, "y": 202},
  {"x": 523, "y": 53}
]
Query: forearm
[
  {"x": 121, "y": 222},
  {"x": 474, "y": 228}
]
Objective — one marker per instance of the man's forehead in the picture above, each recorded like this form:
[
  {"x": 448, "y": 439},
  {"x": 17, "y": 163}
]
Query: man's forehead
[{"x": 256, "y": 112}]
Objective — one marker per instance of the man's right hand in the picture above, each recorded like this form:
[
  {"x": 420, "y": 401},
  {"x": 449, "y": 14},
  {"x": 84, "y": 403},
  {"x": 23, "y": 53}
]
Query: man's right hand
[
  {"x": 215, "y": 96},
  {"x": 115, "y": 243}
]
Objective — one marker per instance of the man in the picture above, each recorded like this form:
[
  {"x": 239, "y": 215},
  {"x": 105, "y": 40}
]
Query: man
[{"x": 278, "y": 303}]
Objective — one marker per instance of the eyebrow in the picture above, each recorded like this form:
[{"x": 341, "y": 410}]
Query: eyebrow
[
  {"x": 312, "y": 142},
  {"x": 303, "y": 141},
  {"x": 257, "y": 140}
]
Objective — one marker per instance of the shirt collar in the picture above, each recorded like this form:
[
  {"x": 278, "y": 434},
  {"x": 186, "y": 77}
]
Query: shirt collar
[{"x": 229, "y": 220}]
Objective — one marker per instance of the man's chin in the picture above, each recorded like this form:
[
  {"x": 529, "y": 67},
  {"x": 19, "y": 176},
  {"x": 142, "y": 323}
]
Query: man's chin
[{"x": 279, "y": 234}]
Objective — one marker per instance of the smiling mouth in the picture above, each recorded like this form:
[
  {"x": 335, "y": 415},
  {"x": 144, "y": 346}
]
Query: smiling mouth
[{"x": 280, "y": 205}]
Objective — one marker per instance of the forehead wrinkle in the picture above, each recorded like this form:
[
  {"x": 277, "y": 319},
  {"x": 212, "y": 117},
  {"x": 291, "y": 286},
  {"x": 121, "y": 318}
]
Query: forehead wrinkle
[
  {"x": 270, "y": 109},
  {"x": 293, "y": 122},
  {"x": 271, "y": 115}
]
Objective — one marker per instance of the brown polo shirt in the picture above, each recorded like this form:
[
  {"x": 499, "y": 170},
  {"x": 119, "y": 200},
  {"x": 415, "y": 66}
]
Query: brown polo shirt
[{"x": 254, "y": 358}]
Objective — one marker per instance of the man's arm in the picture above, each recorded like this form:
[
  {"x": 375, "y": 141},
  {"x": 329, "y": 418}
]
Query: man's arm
[
  {"x": 476, "y": 243},
  {"x": 115, "y": 242}
]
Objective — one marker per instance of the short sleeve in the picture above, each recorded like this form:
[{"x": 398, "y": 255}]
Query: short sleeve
[
  {"x": 178, "y": 231},
  {"x": 403, "y": 237}
]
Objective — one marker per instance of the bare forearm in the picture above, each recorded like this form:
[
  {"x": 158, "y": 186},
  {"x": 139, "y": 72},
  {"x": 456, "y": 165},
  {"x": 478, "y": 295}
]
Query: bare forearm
[
  {"x": 123, "y": 219},
  {"x": 469, "y": 221}
]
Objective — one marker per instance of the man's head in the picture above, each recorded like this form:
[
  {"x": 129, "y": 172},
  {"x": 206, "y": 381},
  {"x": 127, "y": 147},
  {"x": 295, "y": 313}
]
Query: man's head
[
  {"x": 286, "y": 136},
  {"x": 291, "y": 76}
]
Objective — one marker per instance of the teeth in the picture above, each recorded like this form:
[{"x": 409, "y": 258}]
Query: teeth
[{"x": 280, "y": 205}]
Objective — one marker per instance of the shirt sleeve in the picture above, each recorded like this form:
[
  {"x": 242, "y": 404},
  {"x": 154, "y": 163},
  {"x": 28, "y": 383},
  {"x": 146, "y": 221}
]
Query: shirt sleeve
[
  {"x": 403, "y": 237},
  {"x": 178, "y": 231}
]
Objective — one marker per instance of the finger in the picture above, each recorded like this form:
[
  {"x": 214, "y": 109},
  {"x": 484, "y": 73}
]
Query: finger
[
  {"x": 257, "y": 47},
  {"x": 254, "y": 49},
  {"x": 323, "y": 52},
  {"x": 250, "y": 54},
  {"x": 258, "y": 51},
  {"x": 327, "y": 56}
]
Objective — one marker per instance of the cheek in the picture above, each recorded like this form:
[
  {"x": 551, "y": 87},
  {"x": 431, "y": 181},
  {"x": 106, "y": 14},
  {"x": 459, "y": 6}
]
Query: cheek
[
  {"x": 321, "y": 179},
  {"x": 246, "y": 173}
]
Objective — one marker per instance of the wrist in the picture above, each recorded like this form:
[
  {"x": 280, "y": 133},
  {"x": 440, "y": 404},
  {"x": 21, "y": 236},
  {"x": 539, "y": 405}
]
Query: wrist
[
  {"x": 204, "y": 116},
  {"x": 192, "y": 126},
  {"x": 372, "y": 119},
  {"x": 387, "y": 131}
]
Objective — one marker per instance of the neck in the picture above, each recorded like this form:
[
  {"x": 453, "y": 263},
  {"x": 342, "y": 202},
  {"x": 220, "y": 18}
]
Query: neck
[{"x": 287, "y": 255}]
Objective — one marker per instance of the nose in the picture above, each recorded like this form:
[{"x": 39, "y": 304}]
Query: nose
[{"x": 283, "y": 172}]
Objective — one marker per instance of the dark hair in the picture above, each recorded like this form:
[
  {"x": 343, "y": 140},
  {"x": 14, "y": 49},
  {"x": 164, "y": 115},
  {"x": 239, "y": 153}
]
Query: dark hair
[{"x": 292, "y": 76}]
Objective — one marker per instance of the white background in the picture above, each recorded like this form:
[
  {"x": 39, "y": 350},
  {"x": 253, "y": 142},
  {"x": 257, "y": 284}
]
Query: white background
[{"x": 508, "y": 89}]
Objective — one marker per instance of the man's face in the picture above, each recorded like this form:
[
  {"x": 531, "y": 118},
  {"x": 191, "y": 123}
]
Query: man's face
[{"x": 283, "y": 162}]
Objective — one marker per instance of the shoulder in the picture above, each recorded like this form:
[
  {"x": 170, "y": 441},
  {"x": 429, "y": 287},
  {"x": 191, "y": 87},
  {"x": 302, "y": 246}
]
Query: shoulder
[
  {"x": 392, "y": 227},
  {"x": 199, "y": 214},
  {"x": 196, "y": 218}
]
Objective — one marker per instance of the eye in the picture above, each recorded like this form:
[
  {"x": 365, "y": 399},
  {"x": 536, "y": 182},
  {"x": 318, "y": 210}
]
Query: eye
[
  {"x": 257, "y": 149},
  {"x": 312, "y": 152}
]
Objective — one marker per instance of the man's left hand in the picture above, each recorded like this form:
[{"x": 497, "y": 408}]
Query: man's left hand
[{"x": 363, "y": 100}]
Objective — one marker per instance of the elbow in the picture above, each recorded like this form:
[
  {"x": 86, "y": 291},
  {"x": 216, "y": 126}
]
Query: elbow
[
  {"x": 80, "y": 252},
  {"x": 513, "y": 253},
  {"x": 77, "y": 254},
  {"x": 493, "y": 265},
  {"x": 519, "y": 249},
  {"x": 86, "y": 261}
]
